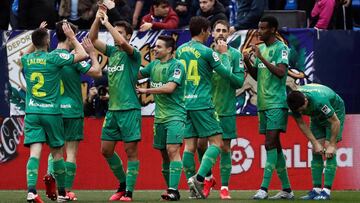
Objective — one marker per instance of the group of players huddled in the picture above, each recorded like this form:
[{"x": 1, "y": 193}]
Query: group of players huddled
[{"x": 194, "y": 91}]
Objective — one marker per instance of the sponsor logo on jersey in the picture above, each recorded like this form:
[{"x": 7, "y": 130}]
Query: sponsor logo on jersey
[
  {"x": 156, "y": 84},
  {"x": 261, "y": 65},
  {"x": 325, "y": 109},
  {"x": 65, "y": 106},
  {"x": 83, "y": 64},
  {"x": 177, "y": 73},
  {"x": 41, "y": 105},
  {"x": 116, "y": 68},
  {"x": 215, "y": 56},
  {"x": 284, "y": 54},
  {"x": 64, "y": 56}
]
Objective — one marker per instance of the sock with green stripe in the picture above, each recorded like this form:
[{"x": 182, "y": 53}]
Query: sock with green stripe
[
  {"x": 59, "y": 174},
  {"x": 188, "y": 164},
  {"x": 131, "y": 175},
  {"x": 208, "y": 160},
  {"x": 32, "y": 169},
  {"x": 70, "y": 175},
  {"x": 270, "y": 164},
  {"x": 225, "y": 168},
  {"x": 175, "y": 174}
]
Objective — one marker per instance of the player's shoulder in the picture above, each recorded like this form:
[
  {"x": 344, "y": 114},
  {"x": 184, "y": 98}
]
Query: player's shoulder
[
  {"x": 234, "y": 51},
  {"x": 282, "y": 45},
  {"x": 177, "y": 63},
  {"x": 59, "y": 53}
]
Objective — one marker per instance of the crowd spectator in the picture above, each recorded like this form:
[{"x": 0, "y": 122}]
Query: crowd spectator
[
  {"x": 32, "y": 12},
  {"x": 185, "y": 11},
  {"x": 342, "y": 15},
  {"x": 322, "y": 13},
  {"x": 213, "y": 10},
  {"x": 248, "y": 14},
  {"x": 161, "y": 16},
  {"x": 118, "y": 10},
  {"x": 79, "y": 12},
  {"x": 96, "y": 103},
  {"x": 142, "y": 8}
]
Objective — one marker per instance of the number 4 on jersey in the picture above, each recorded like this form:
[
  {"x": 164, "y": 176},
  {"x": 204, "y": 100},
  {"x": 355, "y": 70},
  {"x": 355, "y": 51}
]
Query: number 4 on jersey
[{"x": 192, "y": 73}]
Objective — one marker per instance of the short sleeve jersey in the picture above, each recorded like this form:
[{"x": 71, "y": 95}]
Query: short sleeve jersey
[
  {"x": 168, "y": 107},
  {"x": 271, "y": 90},
  {"x": 70, "y": 89},
  {"x": 224, "y": 94},
  {"x": 123, "y": 70},
  {"x": 42, "y": 74},
  {"x": 323, "y": 102},
  {"x": 199, "y": 62}
]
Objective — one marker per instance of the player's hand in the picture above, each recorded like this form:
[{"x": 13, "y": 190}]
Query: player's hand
[
  {"x": 68, "y": 31},
  {"x": 110, "y": 4},
  {"x": 140, "y": 90},
  {"x": 255, "y": 50},
  {"x": 318, "y": 148},
  {"x": 43, "y": 24},
  {"x": 88, "y": 45},
  {"x": 145, "y": 27},
  {"x": 221, "y": 46},
  {"x": 330, "y": 151},
  {"x": 246, "y": 56},
  {"x": 104, "y": 18}
]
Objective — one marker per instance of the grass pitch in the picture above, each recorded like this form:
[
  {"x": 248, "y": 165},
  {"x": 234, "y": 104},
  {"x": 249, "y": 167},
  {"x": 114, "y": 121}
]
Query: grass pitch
[{"x": 15, "y": 196}]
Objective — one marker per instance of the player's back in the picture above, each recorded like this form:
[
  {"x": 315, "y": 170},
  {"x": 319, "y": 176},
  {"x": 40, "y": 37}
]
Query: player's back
[
  {"x": 199, "y": 62},
  {"x": 70, "y": 89},
  {"x": 43, "y": 83}
]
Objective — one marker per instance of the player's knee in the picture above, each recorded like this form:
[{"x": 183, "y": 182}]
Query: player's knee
[
  {"x": 131, "y": 153},
  {"x": 107, "y": 153},
  {"x": 270, "y": 144}
]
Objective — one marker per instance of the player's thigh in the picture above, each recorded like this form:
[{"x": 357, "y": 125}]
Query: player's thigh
[
  {"x": 189, "y": 131},
  {"x": 228, "y": 125},
  {"x": 130, "y": 125},
  {"x": 206, "y": 123},
  {"x": 54, "y": 128},
  {"x": 110, "y": 130},
  {"x": 73, "y": 129},
  {"x": 159, "y": 136},
  {"x": 276, "y": 119},
  {"x": 339, "y": 135},
  {"x": 174, "y": 132},
  {"x": 318, "y": 129},
  {"x": 33, "y": 131}
]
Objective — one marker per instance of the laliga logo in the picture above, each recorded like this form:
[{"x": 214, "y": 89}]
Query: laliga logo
[{"x": 242, "y": 155}]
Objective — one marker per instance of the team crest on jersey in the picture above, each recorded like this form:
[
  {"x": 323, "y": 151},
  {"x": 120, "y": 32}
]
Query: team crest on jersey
[
  {"x": 64, "y": 56},
  {"x": 215, "y": 56},
  {"x": 83, "y": 64},
  {"x": 284, "y": 54},
  {"x": 325, "y": 109},
  {"x": 177, "y": 73}
]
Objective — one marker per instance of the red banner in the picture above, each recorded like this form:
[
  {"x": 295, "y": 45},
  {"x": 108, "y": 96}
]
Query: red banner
[{"x": 248, "y": 158}]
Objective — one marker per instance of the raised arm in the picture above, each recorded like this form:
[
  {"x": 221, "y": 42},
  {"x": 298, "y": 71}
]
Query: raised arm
[
  {"x": 118, "y": 38},
  {"x": 94, "y": 31},
  {"x": 95, "y": 70},
  {"x": 334, "y": 130},
  {"x": 80, "y": 53}
]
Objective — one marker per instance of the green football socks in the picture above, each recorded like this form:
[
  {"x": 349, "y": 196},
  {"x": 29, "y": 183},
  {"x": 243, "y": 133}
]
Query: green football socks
[
  {"x": 208, "y": 160},
  {"x": 317, "y": 167},
  {"x": 188, "y": 164},
  {"x": 330, "y": 170},
  {"x": 50, "y": 169},
  {"x": 59, "y": 173},
  {"x": 116, "y": 167},
  {"x": 282, "y": 171},
  {"x": 225, "y": 168},
  {"x": 175, "y": 174},
  {"x": 70, "y": 174},
  {"x": 32, "y": 169},
  {"x": 166, "y": 172},
  {"x": 270, "y": 164},
  {"x": 131, "y": 175}
]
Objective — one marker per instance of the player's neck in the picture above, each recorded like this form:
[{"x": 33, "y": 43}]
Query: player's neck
[
  {"x": 166, "y": 59},
  {"x": 270, "y": 41},
  {"x": 63, "y": 45},
  {"x": 198, "y": 39},
  {"x": 44, "y": 49}
]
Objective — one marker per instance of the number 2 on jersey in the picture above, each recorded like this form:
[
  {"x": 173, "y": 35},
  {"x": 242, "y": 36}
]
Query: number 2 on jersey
[
  {"x": 192, "y": 73},
  {"x": 40, "y": 82}
]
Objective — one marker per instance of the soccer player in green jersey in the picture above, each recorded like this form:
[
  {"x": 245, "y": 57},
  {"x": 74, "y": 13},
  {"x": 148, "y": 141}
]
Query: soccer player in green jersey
[
  {"x": 71, "y": 105},
  {"x": 167, "y": 79},
  {"x": 202, "y": 121},
  {"x": 123, "y": 120},
  {"x": 270, "y": 71},
  {"x": 43, "y": 122},
  {"x": 327, "y": 115},
  {"x": 224, "y": 98}
]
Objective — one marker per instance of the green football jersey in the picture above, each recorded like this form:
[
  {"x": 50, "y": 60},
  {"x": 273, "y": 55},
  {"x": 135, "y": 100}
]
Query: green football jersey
[
  {"x": 271, "y": 90},
  {"x": 199, "y": 62},
  {"x": 123, "y": 70},
  {"x": 71, "y": 102},
  {"x": 42, "y": 72},
  {"x": 168, "y": 107},
  {"x": 323, "y": 102},
  {"x": 223, "y": 92}
]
